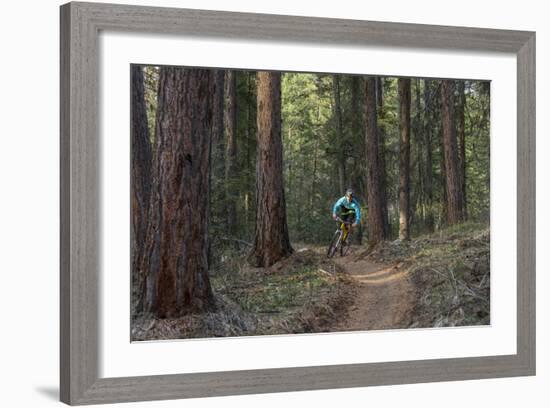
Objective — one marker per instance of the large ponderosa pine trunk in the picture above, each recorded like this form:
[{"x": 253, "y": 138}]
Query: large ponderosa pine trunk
[
  {"x": 404, "y": 90},
  {"x": 375, "y": 215},
  {"x": 231, "y": 151},
  {"x": 450, "y": 155},
  {"x": 177, "y": 239},
  {"x": 141, "y": 176},
  {"x": 271, "y": 240}
]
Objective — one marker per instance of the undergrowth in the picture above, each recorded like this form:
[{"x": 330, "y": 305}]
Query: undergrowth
[
  {"x": 451, "y": 272},
  {"x": 303, "y": 293}
]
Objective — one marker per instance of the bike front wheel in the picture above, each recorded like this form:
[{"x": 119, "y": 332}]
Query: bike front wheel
[
  {"x": 344, "y": 247},
  {"x": 334, "y": 243}
]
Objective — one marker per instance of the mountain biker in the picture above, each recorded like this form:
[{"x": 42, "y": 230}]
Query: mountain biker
[{"x": 347, "y": 207}]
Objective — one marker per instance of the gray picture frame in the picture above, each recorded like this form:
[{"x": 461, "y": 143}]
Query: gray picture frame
[{"x": 80, "y": 192}]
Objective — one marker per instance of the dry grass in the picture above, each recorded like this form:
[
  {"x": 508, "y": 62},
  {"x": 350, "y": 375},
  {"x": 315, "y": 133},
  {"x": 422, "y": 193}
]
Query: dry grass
[
  {"x": 303, "y": 293},
  {"x": 451, "y": 272}
]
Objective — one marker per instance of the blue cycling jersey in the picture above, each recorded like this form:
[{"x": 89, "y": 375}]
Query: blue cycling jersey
[{"x": 353, "y": 205}]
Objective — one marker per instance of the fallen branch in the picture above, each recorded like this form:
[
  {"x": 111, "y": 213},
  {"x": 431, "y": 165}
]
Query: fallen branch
[
  {"x": 454, "y": 282},
  {"x": 326, "y": 273},
  {"x": 240, "y": 241}
]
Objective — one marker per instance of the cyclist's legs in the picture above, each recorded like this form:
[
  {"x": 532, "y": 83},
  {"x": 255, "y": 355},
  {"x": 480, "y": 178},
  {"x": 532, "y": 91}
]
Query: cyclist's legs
[{"x": 347, "y": 218}]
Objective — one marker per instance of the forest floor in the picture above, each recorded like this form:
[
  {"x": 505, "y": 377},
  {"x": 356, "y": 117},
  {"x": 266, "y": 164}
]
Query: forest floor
[
  {"x": 303, "y": 293},
  {"x": 385, "y": 296},
  {"x": 435, "y": 280}
]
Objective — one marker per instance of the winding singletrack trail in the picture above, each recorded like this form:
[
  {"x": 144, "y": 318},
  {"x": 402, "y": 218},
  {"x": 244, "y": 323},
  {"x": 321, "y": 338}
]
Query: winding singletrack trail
[{"x": 385, "y": 296}]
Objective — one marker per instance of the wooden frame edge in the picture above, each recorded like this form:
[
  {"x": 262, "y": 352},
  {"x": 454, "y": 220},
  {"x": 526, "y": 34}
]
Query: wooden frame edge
[
  {"x": 526, "y": 202},
  {"x": 79, "y": 177},
  {"x": 79, "y": 192}
]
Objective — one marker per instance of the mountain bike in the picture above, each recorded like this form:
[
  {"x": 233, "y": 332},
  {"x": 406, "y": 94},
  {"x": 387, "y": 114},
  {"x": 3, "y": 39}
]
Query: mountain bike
[{"x": 340, "y": 239}]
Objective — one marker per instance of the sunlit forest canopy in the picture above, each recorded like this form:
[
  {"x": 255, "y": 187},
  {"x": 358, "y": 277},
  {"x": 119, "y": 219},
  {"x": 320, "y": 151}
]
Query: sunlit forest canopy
[{"x": 323, "y": 134}]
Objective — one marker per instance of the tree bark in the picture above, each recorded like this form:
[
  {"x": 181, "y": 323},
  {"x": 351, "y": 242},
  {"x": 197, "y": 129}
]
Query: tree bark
[
  {"x": 250, "y": 148},
  {"x": 452, "y": 175},
  {"x": 231, "y": 151},
  {"x": 177, "y": 238},
  {"x": 375, "y": 216},
  {"x": 218, "y": 109},
  {"x": 141, "y": 179},
  {"x": 443, "y": 177},
  {"x": 382, "y": 153},
  {"x": 417, "y": 203},
  {"x": 271, "y": 241},
  {"x": 404, "y": 90},
  {"x": 357, "y": 129},
  {"x": 217, "y": 157},
  {"x": 461, "y": 136},
  {"x": 427, "y": 126},
  {"x": 340, "y": 143}
]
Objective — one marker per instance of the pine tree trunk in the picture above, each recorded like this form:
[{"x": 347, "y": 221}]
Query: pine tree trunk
[
  {"x": 404, "y": 90},
  {"x": 375, "y": 215},
  {"x": 313, "y": 178},
  {"x": 141, "y": 180},
  {"x": 250, "y": 148},
  {"x": 177, "y": 238},
  {"x": 427, "y": 126},
  {"x": 342, "y": 177},
  {"x": 382, "y": 153},
  {"x": 218, "y": 129},
  {"x": 218, "y": 109},
  {"x": 452, "y": 175},
  {"x": 231, "y": 151},
  {"x": 418, "y": 204},
  {"x": 271, "y": 241},
  {"x": 217, "y": 165},
  {"x": 217, "y": 157},
  {"x": 357, "y": 129},
  {"x": 461, "y": 136},
  {"x": 443, "y": 178}
]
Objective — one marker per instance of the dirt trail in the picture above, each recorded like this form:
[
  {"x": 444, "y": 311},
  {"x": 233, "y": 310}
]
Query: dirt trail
[{"x": 385, "y": 296}]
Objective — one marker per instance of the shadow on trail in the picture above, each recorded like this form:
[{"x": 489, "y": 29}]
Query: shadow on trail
[{"x": 381, "y": 275}]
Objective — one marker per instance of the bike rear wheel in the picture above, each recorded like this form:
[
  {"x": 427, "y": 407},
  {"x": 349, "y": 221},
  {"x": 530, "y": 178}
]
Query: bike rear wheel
[{"x": 334, "y": 243}]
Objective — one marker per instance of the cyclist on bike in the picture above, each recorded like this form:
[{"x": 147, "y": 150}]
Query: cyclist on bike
[{"x": 348, "y": 208}]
